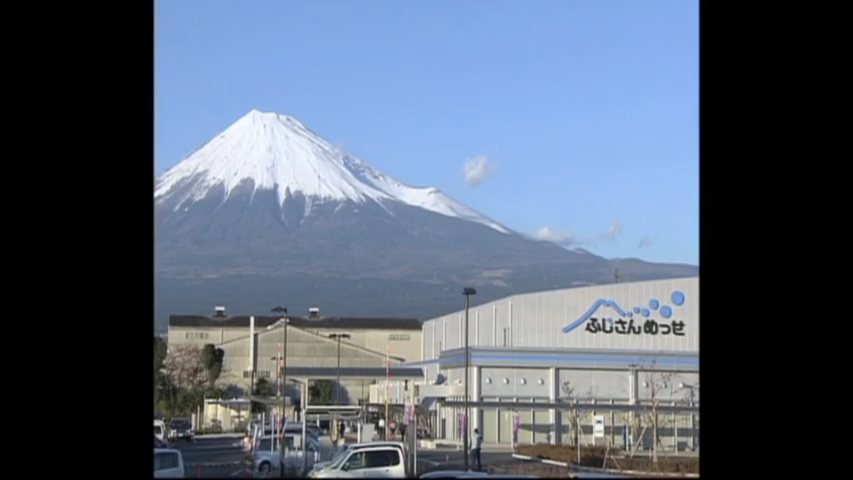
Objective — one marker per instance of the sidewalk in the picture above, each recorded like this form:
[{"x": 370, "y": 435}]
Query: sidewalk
[{"x": 218, "y": 435}]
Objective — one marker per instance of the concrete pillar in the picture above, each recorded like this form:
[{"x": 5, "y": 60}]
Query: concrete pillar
[
  {"x": 554, "y": 413},
  {"x": 509, "y": 342},
  {"x": 494, "y": 325},
  {"x": 477, "y": 328},
  {"x": 633, "y": 399},
  {"x": 252, "y": 356},
  {"x": 633, "y": 387},
  {"x": 476, "y": 412}
]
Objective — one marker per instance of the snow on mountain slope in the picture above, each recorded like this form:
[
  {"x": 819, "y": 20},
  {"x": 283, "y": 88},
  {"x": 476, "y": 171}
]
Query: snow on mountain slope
[
  {"x": 428, "y": 198},
  {"x": 277, "y": 152}
]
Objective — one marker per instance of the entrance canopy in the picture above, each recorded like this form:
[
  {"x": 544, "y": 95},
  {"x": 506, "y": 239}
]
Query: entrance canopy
[{"x": 355, "y": 373}]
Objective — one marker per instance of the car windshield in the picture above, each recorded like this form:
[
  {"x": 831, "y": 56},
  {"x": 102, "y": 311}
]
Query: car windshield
[
  {"x": 179, "y": 424},
  {"x": 158, "y": 430},
  {"x": 338, "y": 459}
]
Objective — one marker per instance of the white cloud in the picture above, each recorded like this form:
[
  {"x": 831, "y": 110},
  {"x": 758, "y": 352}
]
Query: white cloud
[
  {"x": 477, "y": 169},
  {"x": 547, "y": 234},
  {"x": 568, "y": 239}
]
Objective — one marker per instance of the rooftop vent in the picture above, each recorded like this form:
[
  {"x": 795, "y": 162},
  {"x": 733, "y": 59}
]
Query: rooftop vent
[
  {"x": 313, "y": 312},
  {"x": 219, "y": 311}
]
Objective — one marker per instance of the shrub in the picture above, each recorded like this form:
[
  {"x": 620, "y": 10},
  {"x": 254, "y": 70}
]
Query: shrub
[
  {"x": 211, "y": 429},
  {"x": 594, "y": 457}
]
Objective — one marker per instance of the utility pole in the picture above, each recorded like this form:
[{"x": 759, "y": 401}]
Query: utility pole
[
  {"x": 616, "y": 276},
  {"x": 282, "y": 370}
]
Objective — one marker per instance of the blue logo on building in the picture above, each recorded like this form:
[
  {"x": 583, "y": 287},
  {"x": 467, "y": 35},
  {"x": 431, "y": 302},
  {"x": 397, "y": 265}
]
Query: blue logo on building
[{"x": 624, "y": 327}]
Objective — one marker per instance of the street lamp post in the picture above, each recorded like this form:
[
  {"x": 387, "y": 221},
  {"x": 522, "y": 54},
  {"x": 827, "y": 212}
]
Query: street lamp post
[
  {"x": 338, "y": 337},
  {"x": 467, "y": 292},
  {"x": 283, "y": 373}
]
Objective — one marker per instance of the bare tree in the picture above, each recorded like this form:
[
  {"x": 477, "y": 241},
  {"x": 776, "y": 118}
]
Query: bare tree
[
  {"x": 656, "y": 382},
  {"x": 571, "y": 399},
  {"x": 184, "y": 367},
  {"x": 689, "y": 398}
]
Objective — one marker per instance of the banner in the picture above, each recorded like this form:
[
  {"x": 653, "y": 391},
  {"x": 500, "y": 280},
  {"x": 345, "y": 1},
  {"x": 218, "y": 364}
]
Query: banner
[
  {"x": 407, "y": 418},
  {"x": 460, "y": 425},
  {"x": 516, "y": 425}
]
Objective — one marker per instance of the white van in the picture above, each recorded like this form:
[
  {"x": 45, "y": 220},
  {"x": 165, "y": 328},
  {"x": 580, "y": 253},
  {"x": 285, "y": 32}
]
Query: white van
[
  {"x": 160, "y": 429},
  {"x": 365, "y": 460},
  {"x": 168, "y": 463},
  {"x": 294, "y": 428},
  {"x": 268, "y": 456}
]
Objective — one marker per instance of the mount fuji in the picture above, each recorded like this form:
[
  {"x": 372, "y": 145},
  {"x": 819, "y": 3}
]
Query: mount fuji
[{"x": 268, "y": 212}]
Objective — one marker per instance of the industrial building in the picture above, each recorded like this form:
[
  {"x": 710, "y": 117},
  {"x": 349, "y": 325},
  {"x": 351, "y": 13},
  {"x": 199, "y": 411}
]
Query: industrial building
[
  {"x": 315, "y": 348},
  {"x": 619, "y": 353}
]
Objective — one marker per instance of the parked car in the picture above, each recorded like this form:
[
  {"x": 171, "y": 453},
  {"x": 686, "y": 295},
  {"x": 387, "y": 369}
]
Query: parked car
[
  {"x": 367, "y": 460},
  {"x": 180, "y": 429},
  {"x": 294, "y": 428},
  {"x": 347, "y": 447},
  {"x": 268, "y": 456},
  {"x": 160, "y": 443},
  {"x": 168, "y": 463}
]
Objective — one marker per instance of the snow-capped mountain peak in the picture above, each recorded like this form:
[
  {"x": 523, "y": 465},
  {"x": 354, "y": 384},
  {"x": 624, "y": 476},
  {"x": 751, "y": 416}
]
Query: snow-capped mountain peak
[{"x": 277, "y": 152}]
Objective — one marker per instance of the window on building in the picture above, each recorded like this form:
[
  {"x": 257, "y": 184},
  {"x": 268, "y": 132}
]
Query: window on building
[
  {"x": 196, "y": 335},
  {"x": 399, "y": 337},
  {"x": 247, "y": 374},
  {"x": 264, "y": 374}
]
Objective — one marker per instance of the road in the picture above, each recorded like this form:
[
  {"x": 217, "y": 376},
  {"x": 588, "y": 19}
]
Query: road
[
  {"x": 211, "y": 457},
  {"x": 220, "y": 457},
  {"x": 449, "y": 459}
]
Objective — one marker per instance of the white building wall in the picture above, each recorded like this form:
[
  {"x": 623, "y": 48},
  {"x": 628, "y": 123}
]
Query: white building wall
[
  {"x": 538, "y": 319},
  {"x": 515, "y": 382}
]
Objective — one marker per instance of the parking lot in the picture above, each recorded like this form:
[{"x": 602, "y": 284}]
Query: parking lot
[{"x": 218, "y": 457}]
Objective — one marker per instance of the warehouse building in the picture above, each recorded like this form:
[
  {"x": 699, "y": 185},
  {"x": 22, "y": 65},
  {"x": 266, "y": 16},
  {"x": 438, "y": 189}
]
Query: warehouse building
[
  {"x": 620, "y": 353},
  {"x": 315, "y": 347}
]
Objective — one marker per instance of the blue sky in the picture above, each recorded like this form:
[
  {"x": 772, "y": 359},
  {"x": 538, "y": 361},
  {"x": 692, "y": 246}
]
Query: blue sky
[{"x": 586, "y": 111}]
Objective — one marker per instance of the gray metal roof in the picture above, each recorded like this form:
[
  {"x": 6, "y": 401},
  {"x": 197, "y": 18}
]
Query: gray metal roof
[
  {"x": 242, "y": 321},
  {"x": 584, "y": 406}
]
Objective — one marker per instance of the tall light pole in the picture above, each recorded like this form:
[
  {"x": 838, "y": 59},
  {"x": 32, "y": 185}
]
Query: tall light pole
[
  {"x": 283, "y": 373},
  {"x": 466, "y": 428},
  {"x": 338, "y": 337}
]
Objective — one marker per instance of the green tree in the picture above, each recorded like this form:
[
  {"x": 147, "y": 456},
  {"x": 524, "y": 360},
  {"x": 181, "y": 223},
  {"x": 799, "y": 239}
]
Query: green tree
[
  {"x": 212, "y": 359},
  {"x": 263, "y": 388},
  {"x": 320, "y": 392}
]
